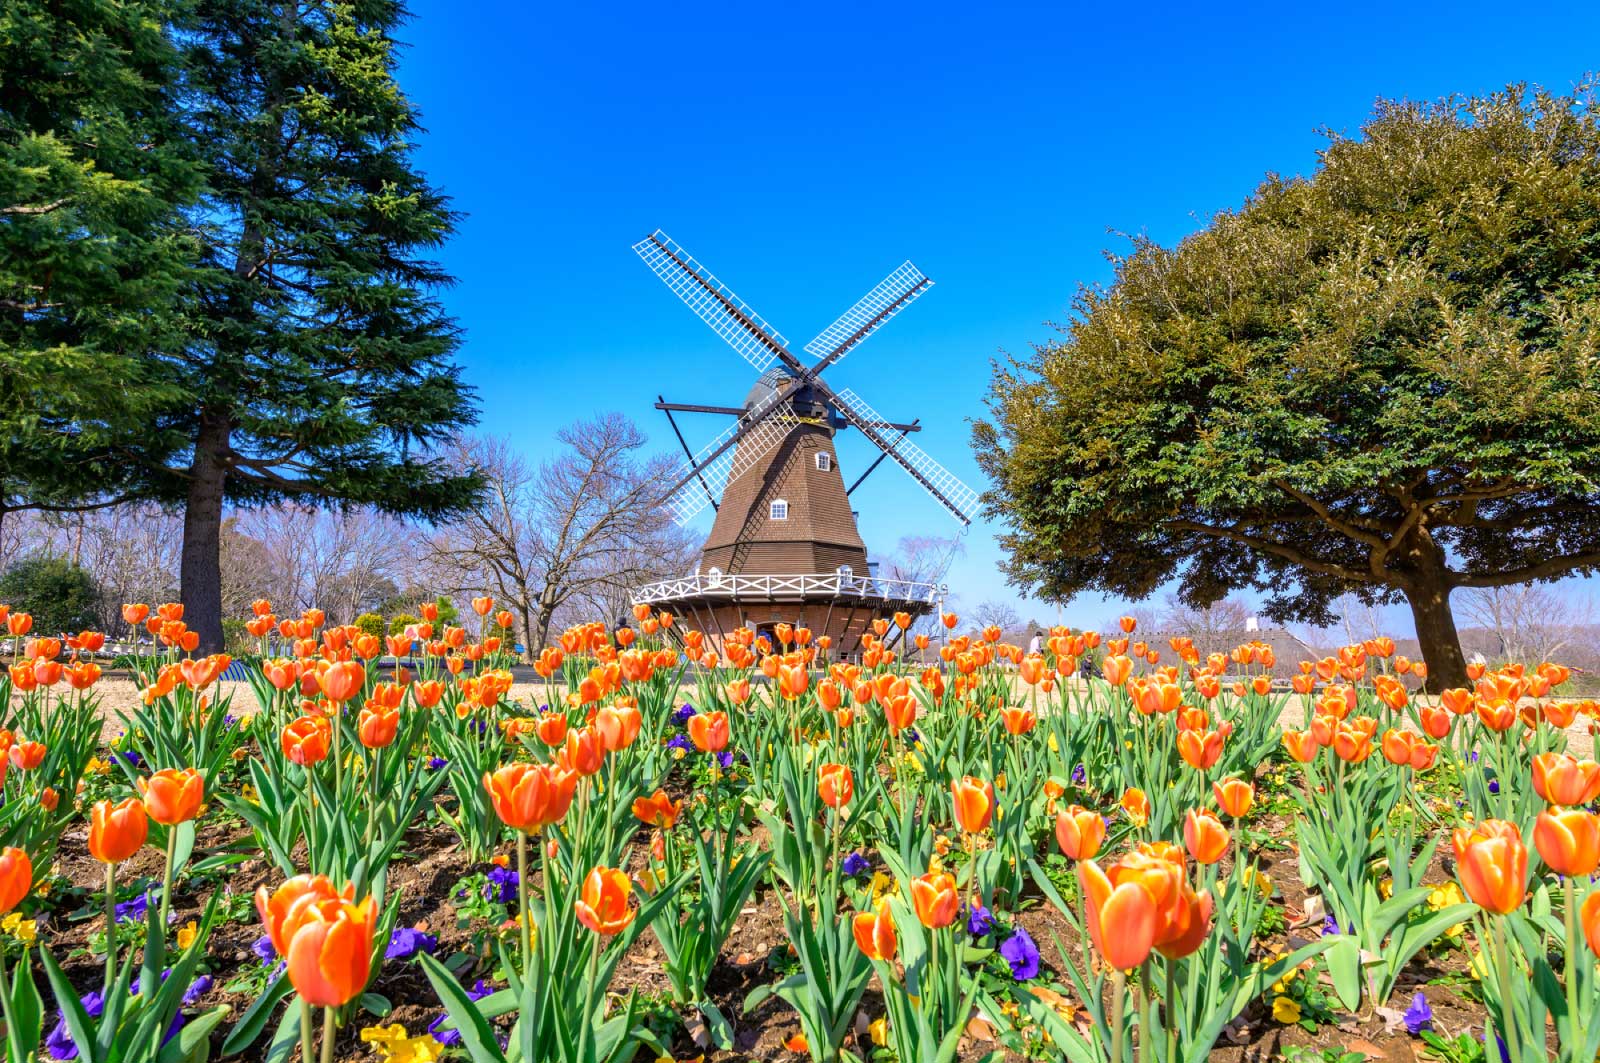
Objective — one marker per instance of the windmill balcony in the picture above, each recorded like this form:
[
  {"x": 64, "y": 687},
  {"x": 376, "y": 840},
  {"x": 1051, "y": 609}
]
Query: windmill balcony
[{"x": 795, "y": 587}]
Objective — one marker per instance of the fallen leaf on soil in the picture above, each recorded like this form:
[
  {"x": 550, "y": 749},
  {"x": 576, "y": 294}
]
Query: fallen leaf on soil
[
  {"x": 979, "y": 1030},
  {"x": 1366, "y": 1048}
]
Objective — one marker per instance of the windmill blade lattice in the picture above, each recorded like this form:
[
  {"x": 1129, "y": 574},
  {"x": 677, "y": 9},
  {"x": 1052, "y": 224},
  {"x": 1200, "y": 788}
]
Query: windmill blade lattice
[
  {"x": 729, "y": 316},
  {"x": 939, "y": 482},
  {"x": 893, "y": 294},
  {"x": 741, "y": 445}
]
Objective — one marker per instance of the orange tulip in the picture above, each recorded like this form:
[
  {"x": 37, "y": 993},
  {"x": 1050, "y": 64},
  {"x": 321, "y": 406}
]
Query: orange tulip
[
  {"x": 1201, "y": 750},
  {"x": 530, "y": 797},
  {"x": 1234, "y": 796},
  {"x": 16, "y": 877},
  {"x": 874, "y": 932},
  {"x": 280, "y": 909},
  {"x": 27, "y": 755},
  {"x": 1492, "y": 864},
  {"x": 618, "y": 726},
  {"x": 306, "y": 740},
  {"x": 1435, "y": 721},
  {"x": 935, "y": 898},
  {"x": 378, "y": 726},
  {"x": 1018, "y": 719},
  {"x": 709, "y": 731},
  {"x": 657, "y": 810},
  {"x": 835, "y": 784},
  {"x": 116, "y": 831},
  {"x": 329, "y": 953},
  {"x": 1352, "y": 745},
  {"x": 584, "y": 752},
  {"x": 1204, "y": 836},
  {"x": 173, "y": 795},
  {"x": 342, "y": 681},
  {"x": 603, "y": 906},
  {"x": 792, "y": 682},
  {"x": 974, "y": 801},
  {"x": 1568, "y": 841},
  {"x": 1137, "y": 805},
  {"x": 552, "y": 728},
  {"x": 1565, "y": 780},
  {"x": 1589, "y": 916},
  {"x": 1079, "y": 832},
  {"x": 900, "y": 712},
  {"x": 1302, "y": 745},
  {"x": 1122, "y": 918}
]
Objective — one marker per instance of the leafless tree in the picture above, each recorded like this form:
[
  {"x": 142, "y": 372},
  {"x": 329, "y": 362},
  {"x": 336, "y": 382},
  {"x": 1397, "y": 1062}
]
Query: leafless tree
[
  {"x": 1528, "y": 623},
  {"x": 340, "y": 561},
  {"x": 998, "y": 614},
  {"x": 570, "y": 534},
  {"x": 924, "y": 559},
  {"x": 1210, "y": 627}
]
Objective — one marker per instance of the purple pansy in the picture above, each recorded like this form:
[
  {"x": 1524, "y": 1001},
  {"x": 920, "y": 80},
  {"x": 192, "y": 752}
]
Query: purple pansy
[{"x": 1022, "y": 954}]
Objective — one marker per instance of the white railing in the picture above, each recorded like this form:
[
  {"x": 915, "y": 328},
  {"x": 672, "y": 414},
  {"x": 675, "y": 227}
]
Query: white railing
[{"x": 741, "y": 586}]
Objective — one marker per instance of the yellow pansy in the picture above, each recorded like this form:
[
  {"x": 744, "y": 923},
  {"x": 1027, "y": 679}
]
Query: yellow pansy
[
  {"x": 396, "y": 1046},
  {"x": 187, "y": 934},
  {"x": 1052, "y": 744},
  {"x": 96, "y": 766},
  {"x": 878, "y": 1030},
  {"x": 19, "y": 928},
  {"x": 1286, "y": 1010},
  {"x": 1386, "y": 888}
]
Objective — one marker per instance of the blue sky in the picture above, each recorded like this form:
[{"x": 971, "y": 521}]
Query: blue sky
[{"x": 803, "y": 151}]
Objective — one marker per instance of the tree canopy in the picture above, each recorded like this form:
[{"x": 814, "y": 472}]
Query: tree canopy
[
  {"x": 1382, "y": 379},
  {"x": 94, "y": 254}
]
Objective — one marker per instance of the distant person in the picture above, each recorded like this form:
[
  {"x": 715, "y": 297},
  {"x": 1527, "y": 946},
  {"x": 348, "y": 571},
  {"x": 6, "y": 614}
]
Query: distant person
[{"x": 1036, "y": 644}]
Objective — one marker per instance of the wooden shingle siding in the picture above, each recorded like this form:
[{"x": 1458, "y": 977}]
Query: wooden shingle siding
[{"x": 820, "y": 532}]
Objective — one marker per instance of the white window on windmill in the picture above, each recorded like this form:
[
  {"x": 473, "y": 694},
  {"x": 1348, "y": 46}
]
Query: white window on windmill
[
  {"x": 824, "y": 461},
  {"x": 778, "y": 509},
  {"x": 847, "y": 576},
  {"x": 714, "y": 574}
]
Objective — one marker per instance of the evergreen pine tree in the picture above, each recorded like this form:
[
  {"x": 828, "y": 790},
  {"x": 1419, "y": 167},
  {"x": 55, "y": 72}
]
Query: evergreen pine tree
[
  {"x": 320, "y": 365},
  {"x": 93, "y": 255}
]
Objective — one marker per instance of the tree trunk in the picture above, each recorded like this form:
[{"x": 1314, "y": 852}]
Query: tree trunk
[
  {"x": 1436, "y": 633},
  {"x": 200, "y": 570}
]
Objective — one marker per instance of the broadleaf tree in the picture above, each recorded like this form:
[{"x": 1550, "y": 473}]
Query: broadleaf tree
[
  {"x": 1382, "y": 379},
  {"x": 319, "y": 367}
]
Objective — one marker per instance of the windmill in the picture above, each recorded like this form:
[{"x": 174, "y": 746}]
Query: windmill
[{"x": 784, "y": 546}]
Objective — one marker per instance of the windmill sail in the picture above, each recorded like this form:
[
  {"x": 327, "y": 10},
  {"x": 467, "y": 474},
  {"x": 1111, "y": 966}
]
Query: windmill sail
[
  {"x": 939, "y": 482},
  {"x": 729, "y": 316},
  {"x": 893, "y": 294},
  {"x": 727, "y": 457}
]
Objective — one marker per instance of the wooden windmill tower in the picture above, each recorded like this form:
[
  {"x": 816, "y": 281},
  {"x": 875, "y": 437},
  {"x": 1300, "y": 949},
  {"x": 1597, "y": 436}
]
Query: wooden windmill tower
[{"x": 784, "y": 545}]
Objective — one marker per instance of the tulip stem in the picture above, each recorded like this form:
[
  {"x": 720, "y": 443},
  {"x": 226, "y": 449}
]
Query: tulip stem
[
  {"x": 308, "y": 1032},
  {"x": 524, "y": 914},
  {"x": 166, "y": 879},
  {"x": 328, "y": 1029},
  {"x": 1575, "y": 1022},
  {"x": 1169, "y": 1012},
  {"x": 1119, "y": 988},
  {"x": 111, "y": 928},
  {"x": 1145, "y": 1006},
  {"x": 1502, "y": 964}
]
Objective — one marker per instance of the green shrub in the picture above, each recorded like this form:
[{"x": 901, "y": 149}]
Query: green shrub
[
  {"x": 60, "y": 596},
  {"x": 370, "y": 623},
  {"x": 398, "y": 625}
]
